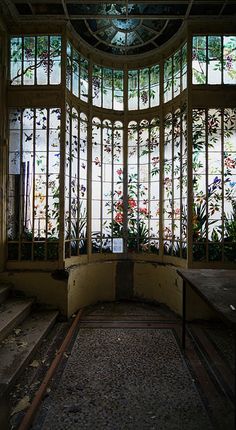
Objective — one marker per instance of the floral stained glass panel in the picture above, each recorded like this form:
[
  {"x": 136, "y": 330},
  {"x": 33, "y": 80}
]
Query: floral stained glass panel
[
  {"x": 143, "y": 187},
  {"x": 33, "y": 192},
  {"x": 229, "y": 59},
  {"x": 214, "y": 179},
  {"x": 76, "y": 183},
  {"x": 107, "y": 187},
  {"x": 175, "y": 185},
  {"x": 214, "y": 59},
  {"x": 35, "y": 60}
]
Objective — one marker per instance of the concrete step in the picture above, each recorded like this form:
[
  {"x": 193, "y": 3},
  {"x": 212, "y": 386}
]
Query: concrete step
[
  {"x": 16, "y": 349},
  {"x": 4, "y": 292},
  {"x": 12, "y": 313}
]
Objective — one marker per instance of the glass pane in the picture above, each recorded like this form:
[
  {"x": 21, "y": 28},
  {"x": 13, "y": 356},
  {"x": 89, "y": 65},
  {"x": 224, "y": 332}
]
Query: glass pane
[
  {"x": 97, "y": 85},
  {"x": 229, "y": 59},
  {"x": 55, "y": 60},
  {"x": 42, "y": 60},
  {"x": 118, "y": 85},
  {"x": 133, "y": 89},
  {"x": 16, "y": 60},
  {"x": 29, "y": 61},
  {"x": 84, "y": 79},
  {"x": 144, "y": 98},
  {"x": 154, "y": 86},
  {"x": 199, "y": 60},
  {"x": 168, "y": 83},
  {"x": 107, "y": 88},
  {"x": 214, "y": 60}
]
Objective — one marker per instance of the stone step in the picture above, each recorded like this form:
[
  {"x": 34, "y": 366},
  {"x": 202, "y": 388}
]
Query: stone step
[
  {"x": 12, "y": 313},
  {"x": 4, "y": 292},
  {"x": 16, "y": 349}
]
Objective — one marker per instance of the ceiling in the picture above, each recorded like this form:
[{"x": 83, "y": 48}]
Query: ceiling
[{"x": 125, "y": 27}]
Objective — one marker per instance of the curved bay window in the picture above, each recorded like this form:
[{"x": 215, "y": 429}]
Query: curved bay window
[{"x": 108, "y": 167}]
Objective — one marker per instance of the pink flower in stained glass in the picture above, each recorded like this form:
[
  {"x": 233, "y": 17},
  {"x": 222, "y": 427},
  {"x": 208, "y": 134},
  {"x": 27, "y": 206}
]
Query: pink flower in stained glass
[
  {"x": 155, "y": 161},
  {"x": 143, "y": 211},
  {"x": 230, "y": 163},
  {"x": 132, "y": 203},
  {"x": 177, "y": 212},
  {"x": 119, "y": 218},
  {"x": 119, "y": 172},
  {"x": 97, "y": 161}
]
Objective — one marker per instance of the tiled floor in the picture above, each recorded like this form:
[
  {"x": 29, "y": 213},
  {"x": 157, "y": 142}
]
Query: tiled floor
[{"x": 125, "y": 370}]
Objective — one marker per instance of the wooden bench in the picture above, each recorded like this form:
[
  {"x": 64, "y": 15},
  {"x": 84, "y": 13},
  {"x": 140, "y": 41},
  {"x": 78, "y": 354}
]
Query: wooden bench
[{"x": 218, "y": 289}]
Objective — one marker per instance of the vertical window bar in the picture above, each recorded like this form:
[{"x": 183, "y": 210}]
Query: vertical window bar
[
  {"x": 207, "y": 60},
  {"x": 22, "y": 60},
  {"x": 102, "y": 93},
  {"x": 222, "y": 60},
  {"x": 33, "y": 205},
  {"x": 36, "y": 56},
  {"x": 138, "y": 185},
  {"x": 47, "y": 173},
  {"x": 112, "y": 184},
  {"x": 70, "y": 173},
  {"x": 21, "y": 190},
  {"x": 138, "y": 91},
  {"x": 49, "y": 58},
  {"x": 222, "y": 182},
  {"x": 149, "y": 179},
  {"x": 172, "y": 173},
  {"x": 35, "y": 59},
  {"x": 78, "y": 112},
  {"x": 102, "y": 125},
  {"x": 181, "y": 173},
  {"x": 181, "y": 71},
  {"x": 206, "y": 178},
  {"x": 149, "y": 90}
]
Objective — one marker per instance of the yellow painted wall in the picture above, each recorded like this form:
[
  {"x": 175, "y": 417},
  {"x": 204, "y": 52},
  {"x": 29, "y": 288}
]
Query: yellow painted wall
[
  {"x": 90, "y": 283},
  {"x": 96, "y": 282},
  {"x": 161, "y": 283},
  {"x": 41, "y": 285}
]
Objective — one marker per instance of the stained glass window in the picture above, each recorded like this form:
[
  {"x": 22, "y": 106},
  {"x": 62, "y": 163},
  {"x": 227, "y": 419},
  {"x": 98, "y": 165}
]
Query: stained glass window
[
  {"x": 229, "y": 60},
  {"x": 35, "y": 60},
  {"x": 175, "y": 185},
  {"x": 214, "y": 59},
  {"x": 168, "y": 83},
  {"x": 143, "y": 186},
  {"x": 175, "y": 74},
  {"x": 97, "y": 85},
  {"x": 107, "y": 186},
  {"x": 143, "y": 88},
  {"x": 214, "y": 184},
  {"x": 108, "y": 88},
  {"x": 77, "y": 73},
  {"x": 136, "y": 188},
  {"x": 33, "y": 198},
  {"x": 76, "y": 183}
]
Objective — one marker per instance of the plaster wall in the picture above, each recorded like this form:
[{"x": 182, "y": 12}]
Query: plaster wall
[
  {"x": 90, "y": 283},
  {"x": 161, "y": 283},
  {"x": 40, "y": 285}
]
